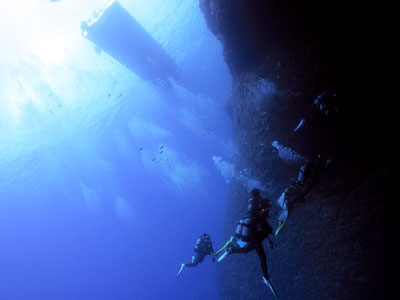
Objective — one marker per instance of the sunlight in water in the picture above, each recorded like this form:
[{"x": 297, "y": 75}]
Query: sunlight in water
[
  {"x": 100, "y": 164},
  {"x": 42, "y": 40}
]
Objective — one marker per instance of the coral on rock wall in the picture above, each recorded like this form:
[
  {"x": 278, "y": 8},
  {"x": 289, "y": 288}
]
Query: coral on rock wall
[{"x": 283, "y": 56}]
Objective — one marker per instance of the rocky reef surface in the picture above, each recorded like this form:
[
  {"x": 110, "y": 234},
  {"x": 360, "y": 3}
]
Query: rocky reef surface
[{"x": 282, "y": 55}]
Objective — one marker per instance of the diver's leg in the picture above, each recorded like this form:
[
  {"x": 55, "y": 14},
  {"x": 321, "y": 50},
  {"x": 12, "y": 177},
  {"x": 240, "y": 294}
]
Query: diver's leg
[
  {"x": 247, "y": 248},
  {"x": 235, "y": 248},
  {"x": 198, "y": 259},
  {"x": 232, "y": 249},
  {"x": 263, "y": 259}
]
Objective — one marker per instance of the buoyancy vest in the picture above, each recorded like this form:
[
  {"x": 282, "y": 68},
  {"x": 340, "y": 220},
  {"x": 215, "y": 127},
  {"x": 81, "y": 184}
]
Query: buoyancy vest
[
  {"x": 263, "y": 229},
  {"x": 254, "y": 225}
]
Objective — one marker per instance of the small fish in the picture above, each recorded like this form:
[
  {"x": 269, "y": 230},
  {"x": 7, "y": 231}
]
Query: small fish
[
  {"x": 153, "y": 159},
  {"x": 162, "y": 147},
  {"x": 161, "y": 151},
  {"x": 141, "y": 148}
]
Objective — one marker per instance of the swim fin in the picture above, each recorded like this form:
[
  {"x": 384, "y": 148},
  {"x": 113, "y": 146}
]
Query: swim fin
[
  {"x": 225, "y": 246},
  {"x": 269, "y": 284},
  {"x": 180, "y": 270},
  {"x": 227, "y": 251},
  {"x": 281, "y": 224},
  {"x": 300, "y": 124}
]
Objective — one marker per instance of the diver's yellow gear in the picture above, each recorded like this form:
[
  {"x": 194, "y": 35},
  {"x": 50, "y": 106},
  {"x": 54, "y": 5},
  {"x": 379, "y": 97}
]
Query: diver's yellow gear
[
  {"x": 225, "y": 246},
  {"x": 281, "y": 224}
]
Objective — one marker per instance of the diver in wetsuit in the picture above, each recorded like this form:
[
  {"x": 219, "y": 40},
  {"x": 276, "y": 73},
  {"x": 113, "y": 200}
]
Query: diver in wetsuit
[
  {"x": 203, "y": 247},
  {"x": 309, "y": 175},
  {"x": 326, "y": 103},
  {"x": 286, "y": 201},
  {"x": 310, "y": 172},
  {"x": 251, "y": 230}
]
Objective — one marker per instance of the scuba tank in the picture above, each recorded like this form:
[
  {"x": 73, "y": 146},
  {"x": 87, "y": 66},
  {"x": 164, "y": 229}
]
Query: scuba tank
[
  {"x": 203, "y": 244},
  {"x": 239, "y": 228},
  {"x": 197, "y": 245},
  {"x": 303, "y": 174},
  {"x": 244, "y": 229}
]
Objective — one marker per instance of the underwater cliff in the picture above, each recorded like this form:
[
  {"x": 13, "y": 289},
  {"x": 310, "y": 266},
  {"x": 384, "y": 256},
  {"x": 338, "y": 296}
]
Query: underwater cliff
[{"x": 282, "y": 56}]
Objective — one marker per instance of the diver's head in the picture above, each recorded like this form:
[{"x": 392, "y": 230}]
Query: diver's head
[
  {"x": 206, "y": 236},
  {"x": 255, "y": 193},
  {"x": 314, "y": 158}
]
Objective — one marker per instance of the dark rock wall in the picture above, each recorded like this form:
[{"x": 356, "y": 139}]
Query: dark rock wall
[{"x": 332, "y": 246}]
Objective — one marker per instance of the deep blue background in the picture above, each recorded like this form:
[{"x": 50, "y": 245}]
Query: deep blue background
[{"x": 85, "y": 211}]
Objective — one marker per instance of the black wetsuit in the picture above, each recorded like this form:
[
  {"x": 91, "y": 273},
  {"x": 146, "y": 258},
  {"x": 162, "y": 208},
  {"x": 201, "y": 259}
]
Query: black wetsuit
[
  {"x": 257, "y": 209},
  {"x": 257, "y": 245},
  {"x": 309, "y": 175},
  {"x": 203, "y": 248}
]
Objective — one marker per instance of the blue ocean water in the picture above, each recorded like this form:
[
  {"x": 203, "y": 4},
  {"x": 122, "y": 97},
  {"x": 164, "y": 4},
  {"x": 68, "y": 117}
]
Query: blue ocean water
[{"x": 106, "y": 179}]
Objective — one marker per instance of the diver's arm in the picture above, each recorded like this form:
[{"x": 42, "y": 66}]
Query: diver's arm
[
  {"x": 212, "y": 252},
  {"x": 211, "y": 249}
]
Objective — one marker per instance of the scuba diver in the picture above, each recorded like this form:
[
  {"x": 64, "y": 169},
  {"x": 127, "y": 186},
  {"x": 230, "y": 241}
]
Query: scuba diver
[
  {"x": 251, "y": 230},
  {"x": 310, "y": 172},
  {"x": 309, "y": 175},
  {"x": 326, "y": 103},
  {"x": 203, "y": 247},
  {"x": 286, "y": 201}
]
